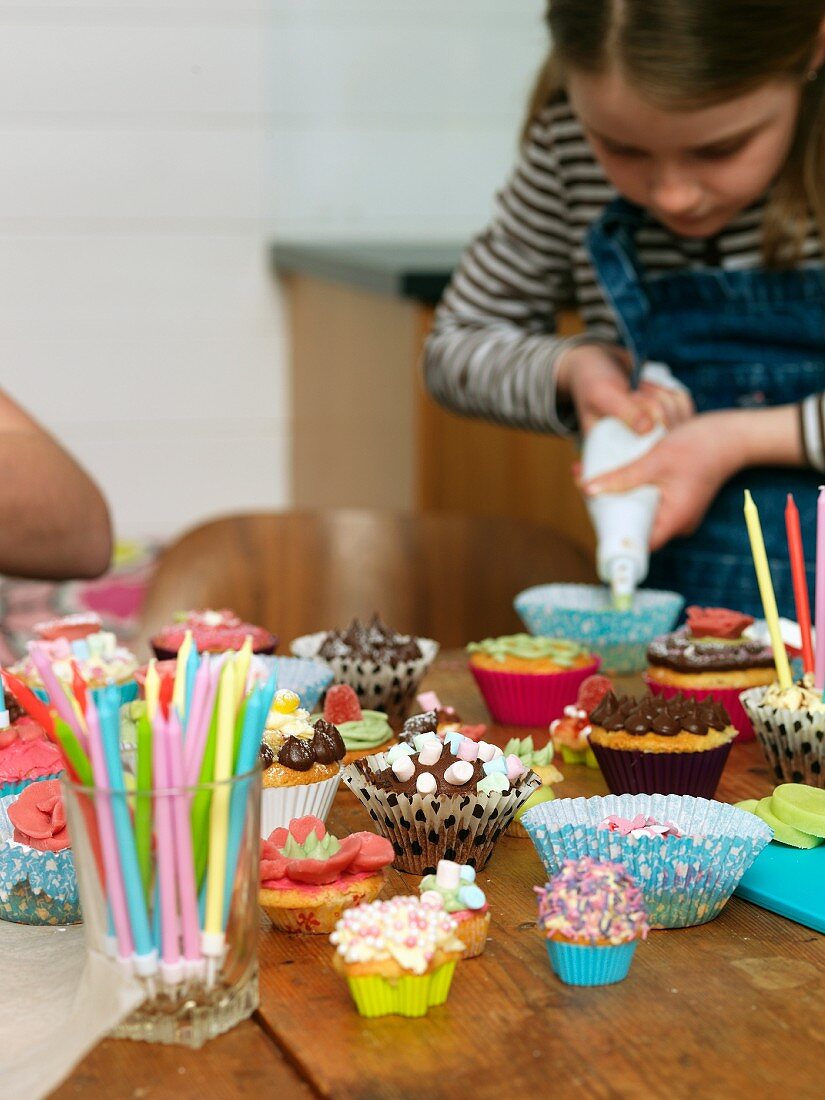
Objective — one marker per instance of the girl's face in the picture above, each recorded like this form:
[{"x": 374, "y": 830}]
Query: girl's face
[{"x": 693, "y": 170}]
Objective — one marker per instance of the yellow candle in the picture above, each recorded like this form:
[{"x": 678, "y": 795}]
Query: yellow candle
[
  {"x": 179, "y": 690},
  {"x": 242, "y": 659},
  {"x": 152, "y": 690},
  {"x": 219, "y": 812},
  {"x": 763, "y": 577}
]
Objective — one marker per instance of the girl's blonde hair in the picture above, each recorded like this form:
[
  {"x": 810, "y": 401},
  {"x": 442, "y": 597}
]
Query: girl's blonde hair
[{"x": 689, "y": 54}]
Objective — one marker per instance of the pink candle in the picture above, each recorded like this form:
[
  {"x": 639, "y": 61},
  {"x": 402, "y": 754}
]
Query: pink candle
[
  {"x": 819, "y": 604},
  {"x": 196, "y": 738},
  {"x": 164, "y": 832},
  {"x": 56, "y": 692},
  {"x": 187, "y": 885}
]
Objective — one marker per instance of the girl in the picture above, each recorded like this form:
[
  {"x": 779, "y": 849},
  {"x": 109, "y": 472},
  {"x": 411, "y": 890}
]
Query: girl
[{"x": 672, "y": 184}]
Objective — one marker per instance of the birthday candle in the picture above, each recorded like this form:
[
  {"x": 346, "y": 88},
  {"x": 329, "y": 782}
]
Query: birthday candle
[
  {"x": 198, "y": 733},
  {"x": 763, "y": 577},
  {"x": 819, "y": 595},
  {"x": 254, "y": 719},
  {"x": 151, "y": 689},
  {"x": 187, "y": 887},
  {"x": 242, "y": 659},
  {"x": 192, "y": 669},
  {"x": 56, "y": 692},
  {"x": 29, "y": 702},
  {"x": 800, "y": 581},
  {"x": 179, "y": 693},
  {"x": 171, "y": 968},
  {"x": 143, "y": 801}
]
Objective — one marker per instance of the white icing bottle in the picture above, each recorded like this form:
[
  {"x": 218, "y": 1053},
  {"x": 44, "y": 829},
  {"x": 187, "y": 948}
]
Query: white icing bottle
[{"x": 623, "y": 521}]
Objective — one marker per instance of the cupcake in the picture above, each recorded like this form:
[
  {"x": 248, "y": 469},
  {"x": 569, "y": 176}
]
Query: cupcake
[
  {"x": 654, "y": 745},
  {"x": 363, "y": 731},
  {"x": 98, "y": 658},
  {"x": 539, "y": 761},
  {"x": 212, "y": 632},
  {"x": 570, "y": 734},
  {"x": 528, "y": 681},
  {"x": 37, "y": 876},
  {"x": 398, "y": 956},
  {"x": 301, "y": 765},
  {"x": 72, "y": 627},
  {"x": 383, "y": 666},
  {"x": 687, "y": 854},
  {"x": 592, "y": 915},
  {"x": 790, "y": 726},
  {"x": 26, "y": 754},
  {"x": 440, "y": 721},
  {"x": 711, "y": 655},
  {"x": 435, "y": 800},
  {"x": 309, "y": 877},
  {"x": 464, "y": 899}
]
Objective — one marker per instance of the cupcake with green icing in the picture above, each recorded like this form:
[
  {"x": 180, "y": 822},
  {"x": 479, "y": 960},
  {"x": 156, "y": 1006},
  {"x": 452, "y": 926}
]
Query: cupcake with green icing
[
  {"x": 464, "y": 900},
  {"x": 364, "y": 731},
  {"x": 528, "y": 680},
  {"x": 541, "y": 762}
]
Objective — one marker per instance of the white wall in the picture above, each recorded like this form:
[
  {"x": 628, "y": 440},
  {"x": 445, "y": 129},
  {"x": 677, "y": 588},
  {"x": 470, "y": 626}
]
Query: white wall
[{"x": 150, "y": 148}]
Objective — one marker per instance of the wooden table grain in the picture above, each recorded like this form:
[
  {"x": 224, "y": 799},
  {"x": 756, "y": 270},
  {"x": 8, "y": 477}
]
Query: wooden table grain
[{"x": 734, "y": 1006}]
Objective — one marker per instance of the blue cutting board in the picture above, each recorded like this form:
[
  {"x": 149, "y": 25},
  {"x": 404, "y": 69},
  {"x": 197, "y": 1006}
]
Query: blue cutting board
[{"x": 788, "y": 881}]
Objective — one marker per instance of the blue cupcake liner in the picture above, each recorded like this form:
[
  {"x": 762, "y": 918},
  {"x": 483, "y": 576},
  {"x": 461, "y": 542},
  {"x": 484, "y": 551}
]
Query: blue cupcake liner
[
  {"x": 583, "y": 964},
  {"x": 309, "y": 679},
  {"x": 8, "y": 790},
  {"x": 584, "y": 613},
  {"x": 686, "y": 880},
  {"x": 128, "y": 692},
  {"x": 35, "y": 887}
]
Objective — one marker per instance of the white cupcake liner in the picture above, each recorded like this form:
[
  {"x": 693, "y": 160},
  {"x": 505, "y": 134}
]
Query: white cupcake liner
[
  {"x": 793, "y": 740},
  {"x": 685, "y": 880},
  {"x": 387, "y": 687},
  {"x": 280, "y": 805},
  {"x": 426, "y": 828}
]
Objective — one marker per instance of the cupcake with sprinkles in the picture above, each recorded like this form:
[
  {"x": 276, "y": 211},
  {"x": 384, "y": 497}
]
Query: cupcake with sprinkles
[
  {"x": 398, "y": 956},
  {"x": 592, "y": 915},
  {"x": 464, "y": 899}
]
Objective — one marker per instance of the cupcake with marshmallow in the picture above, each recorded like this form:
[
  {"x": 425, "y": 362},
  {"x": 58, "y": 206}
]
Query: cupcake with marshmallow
[
  {"x": 435, "y": 800},
  {"x": 464, "y": 900}
]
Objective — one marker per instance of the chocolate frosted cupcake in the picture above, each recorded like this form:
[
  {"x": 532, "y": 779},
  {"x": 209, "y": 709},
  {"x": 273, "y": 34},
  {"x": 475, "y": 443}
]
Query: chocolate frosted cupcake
[
  {"x": 711, "y": 656},
  {"x": 383, "y": 666},
  {"x": 654, "y": 745},
  {"x": 434, "y": 801}
]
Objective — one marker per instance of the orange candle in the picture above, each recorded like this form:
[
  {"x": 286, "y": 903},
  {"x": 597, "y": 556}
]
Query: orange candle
[{"x": 800, "y": 581}]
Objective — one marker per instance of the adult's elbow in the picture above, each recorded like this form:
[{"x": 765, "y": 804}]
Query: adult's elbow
[{"x": 94, "y": 543}]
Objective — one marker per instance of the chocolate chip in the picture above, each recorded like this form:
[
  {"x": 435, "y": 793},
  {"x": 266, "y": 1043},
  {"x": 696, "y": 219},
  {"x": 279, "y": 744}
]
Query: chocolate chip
[
  {"x": 296, "y": 754},
  {"x": 267, "y": 755}
]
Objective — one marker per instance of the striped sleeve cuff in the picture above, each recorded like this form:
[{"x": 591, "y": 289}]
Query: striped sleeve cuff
[{"x": 812, "y": 423}]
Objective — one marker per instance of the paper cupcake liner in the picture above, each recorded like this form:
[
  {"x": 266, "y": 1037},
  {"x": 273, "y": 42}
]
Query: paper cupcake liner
[
  {"x": 35, "y": 887},
  {"x": 583, "y": 964},
  {"x": 390, "y": 688},
  {"x": 408, "y": 996},
  {"x": 685, "y": 880},
  {"x": 529, "y": 699},
  {"x": 424, "y": 828},
  {"x": 473, "y": 932},
  {"x": 8, "y": 789},
  {"x": 728, "y": 697},
  {"x": 793, "y": 741},
  {"x": 318, "y": 920},
  {"x": 280, "y": 805},
  {"x": 515, "y": 828},
  {"x": 628, "y": 771},
  {"x": 309, "y": 679}
]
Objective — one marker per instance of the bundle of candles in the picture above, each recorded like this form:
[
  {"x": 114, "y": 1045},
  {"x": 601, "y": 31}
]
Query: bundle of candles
[
  {"x": 812, "y": 662},
  {"x": 167, "y": 826}
]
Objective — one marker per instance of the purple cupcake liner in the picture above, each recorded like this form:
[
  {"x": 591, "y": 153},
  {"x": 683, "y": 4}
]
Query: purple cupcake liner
[
  {"x": 629, "y": 771},
  {"x": 528, "y": 698}
]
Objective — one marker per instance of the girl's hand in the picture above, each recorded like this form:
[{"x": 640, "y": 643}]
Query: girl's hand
[
  {"x": 689, "y": 466},
  {"x": 596, "y": 378}
]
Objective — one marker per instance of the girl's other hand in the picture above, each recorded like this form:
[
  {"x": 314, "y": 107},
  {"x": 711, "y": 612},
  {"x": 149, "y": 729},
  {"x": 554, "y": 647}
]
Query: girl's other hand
[{"x": 667, "y": 406}]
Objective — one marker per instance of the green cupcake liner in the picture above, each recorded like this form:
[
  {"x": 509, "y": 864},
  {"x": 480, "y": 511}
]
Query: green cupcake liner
[{"x": 408, "y": 996}]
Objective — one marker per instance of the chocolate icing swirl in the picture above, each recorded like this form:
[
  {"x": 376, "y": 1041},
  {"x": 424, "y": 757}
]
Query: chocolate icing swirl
[
  {"x": 299, "y": 753},
  {"x": 655, "y": 714},
  {"x": 373, "y": 642},
  {"x": 681, "y": 652}
]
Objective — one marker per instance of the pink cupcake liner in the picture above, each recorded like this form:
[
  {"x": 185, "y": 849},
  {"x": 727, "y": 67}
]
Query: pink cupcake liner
[
  {"x": 530, "y": 699},
  {"x": 628, "y": 771},
  {"x": 728, "y": 697}
]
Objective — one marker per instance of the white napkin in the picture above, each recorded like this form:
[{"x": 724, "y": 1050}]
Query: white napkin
[{"x": 56, "y": 1002}]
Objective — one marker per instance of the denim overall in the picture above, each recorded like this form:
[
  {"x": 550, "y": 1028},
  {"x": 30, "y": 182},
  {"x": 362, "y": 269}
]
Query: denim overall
[{"x": 736, "y": 339}]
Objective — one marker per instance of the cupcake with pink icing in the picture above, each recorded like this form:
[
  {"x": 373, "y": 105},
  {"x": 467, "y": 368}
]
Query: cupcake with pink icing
[
  {"x": 212, "y": 632},
  {"x": 26, "y": 754},
  {"x": 592, "y": 914},
  {"x": 98, "y": 658},
  {"x": 398, "y": 956},
  {"x": 464, "y": 899}
]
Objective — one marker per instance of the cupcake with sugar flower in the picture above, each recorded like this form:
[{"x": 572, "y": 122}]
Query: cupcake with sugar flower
[
  {"x": 539, "y": 761},
  {"x": 26, "y": 754},
  {"x": 464, "y": 899},
  {"x": 592, "y": 914},
  {"x": 212, "y": 632},
  {"x": 98, "y": 657},
  {"x": 398, "y": 956}
]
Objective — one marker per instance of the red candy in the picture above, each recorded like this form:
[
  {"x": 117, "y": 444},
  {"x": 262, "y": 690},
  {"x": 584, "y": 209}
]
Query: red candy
[
  {"x": 716, "y": 622},
  {"x": 592, "y": 691},
  {"x": 341, "y": 705}
]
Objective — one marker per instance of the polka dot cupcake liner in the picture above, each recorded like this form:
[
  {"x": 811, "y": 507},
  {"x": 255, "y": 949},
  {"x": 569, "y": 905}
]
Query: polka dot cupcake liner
[
  {"x": 426, "y": 828},
  {"x": 686, "y": 880},
  {"x": 386, "y": 687},
  {"x": 793, "y": 741}
]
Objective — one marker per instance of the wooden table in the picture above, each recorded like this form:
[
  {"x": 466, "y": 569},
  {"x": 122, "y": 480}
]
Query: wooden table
[{"x": 735, "y": 1006}]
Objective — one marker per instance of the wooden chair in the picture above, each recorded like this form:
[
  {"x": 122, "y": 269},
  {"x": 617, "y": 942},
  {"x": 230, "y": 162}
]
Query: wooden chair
[{"x": 439, "y": 575}]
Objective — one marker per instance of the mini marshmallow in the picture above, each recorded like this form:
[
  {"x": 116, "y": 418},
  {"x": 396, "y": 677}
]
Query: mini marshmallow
[
  {"x": 471, "y": 897},
  {"x": 448, "y": 874},
  {"x": 497, "y": 751},
  {"x": 421, "y": 739},
  {"x": 467, "y": 750},
  {"x": 403, "y": 768},
  {"x": 428, "y": 700},
  {"x": 430, "y": 753},
  {"x": 426, "y": 783},
  {"x": 515, "y": 768},
  {"x": 495, "y": 782},
  {"x": 468, "y": 873},
  {"x": 453, "y": 739},
  {"x": 486, "y": 751},
  {"x": 401, "y": 749},
  {"x": 491, "y": 767},
  {"x": 459, "y": 773}
]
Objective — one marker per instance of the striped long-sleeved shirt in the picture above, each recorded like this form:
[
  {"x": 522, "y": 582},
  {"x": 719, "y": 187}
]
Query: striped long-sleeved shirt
[{"x": 493, "y": 347}]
